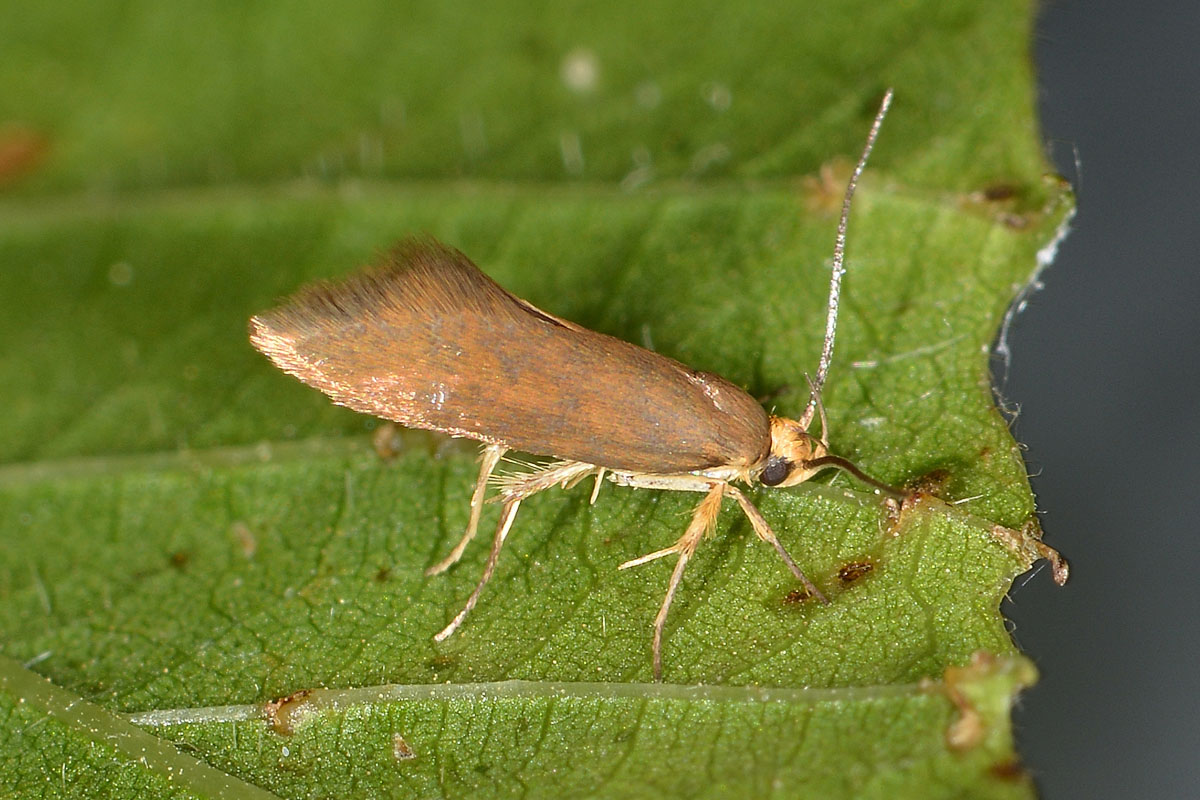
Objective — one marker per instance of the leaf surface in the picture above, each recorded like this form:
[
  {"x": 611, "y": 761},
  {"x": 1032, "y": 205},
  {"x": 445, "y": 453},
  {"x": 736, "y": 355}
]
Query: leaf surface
[{"x": 190, "y": 534}]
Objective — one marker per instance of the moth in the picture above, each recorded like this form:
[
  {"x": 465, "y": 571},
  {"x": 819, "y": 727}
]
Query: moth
[{"x": 429, "y": 341}]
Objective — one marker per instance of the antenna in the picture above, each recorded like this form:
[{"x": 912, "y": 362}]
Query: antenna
[{"x": 839, "y": 258}]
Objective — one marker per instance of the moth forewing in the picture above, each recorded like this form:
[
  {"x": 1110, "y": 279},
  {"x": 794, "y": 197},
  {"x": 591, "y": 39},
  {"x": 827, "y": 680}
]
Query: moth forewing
[{"x": 427, "y": 340}]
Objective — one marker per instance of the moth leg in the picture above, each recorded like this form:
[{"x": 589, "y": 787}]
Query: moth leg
[
  {"x": 646, "y": 559},
  {"x": 514, "y": 489},
  {"x": 703, "y": 520},
  {"x": 558, "y": 473},
  {"x": 596, "y": 488},
  {"x": 763, "y": 529},
  {"x": 490, "y": 457},
  {"x": 671, "y": 483},
  {"x": 506, "y": 519}
]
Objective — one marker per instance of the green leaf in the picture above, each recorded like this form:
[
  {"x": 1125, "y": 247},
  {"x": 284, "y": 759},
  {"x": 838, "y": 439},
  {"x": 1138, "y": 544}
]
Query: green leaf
[{"x": 189, "y": 534}]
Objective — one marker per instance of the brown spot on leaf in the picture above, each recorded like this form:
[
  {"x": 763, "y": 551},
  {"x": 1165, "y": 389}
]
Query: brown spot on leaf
[
  {"x": 854, "y": 571},
  {"x": 1000, "y": 191},
  {"x": 286, "y": 714},
  {"x": 244, "y": 538},
  {"x": 1027, "y": 544},
  {"x": 892, "y": 507},
  {"x": 933, "y": 482},
  {"x": 387, "y": 442},
  {"x": 1017, "y": 222},
  {"x": 797, "y": 596},
  {"x": 1005, "y": 202},
  {"x": 823, "y": 192},
  {"x": 1010, "y": 770},
  {"x": 22, "y": 150},
  {"x": 967, "y": 731},
  {"x": 439, "y": 663},
  {"x": 180, "y": 559},
  {"x": 401, "y": 751}
]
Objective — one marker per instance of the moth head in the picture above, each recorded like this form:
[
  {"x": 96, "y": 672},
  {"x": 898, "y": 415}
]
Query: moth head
[{"x": 792, "y": 448}]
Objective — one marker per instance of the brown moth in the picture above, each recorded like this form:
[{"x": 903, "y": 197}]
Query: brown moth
[{"x": 428, "y": 341}]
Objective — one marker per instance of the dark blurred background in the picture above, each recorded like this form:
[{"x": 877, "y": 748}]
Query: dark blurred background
[{"x": 1106, "y": 361}]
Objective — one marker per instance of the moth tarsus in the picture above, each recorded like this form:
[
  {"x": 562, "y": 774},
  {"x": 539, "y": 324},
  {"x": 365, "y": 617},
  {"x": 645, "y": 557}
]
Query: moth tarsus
[{"x": 428, "y": 341}]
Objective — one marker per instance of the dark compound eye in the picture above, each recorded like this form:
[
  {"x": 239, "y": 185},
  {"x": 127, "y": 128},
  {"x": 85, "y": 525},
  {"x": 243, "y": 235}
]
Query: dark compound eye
[{"x": 775, "y": 471}]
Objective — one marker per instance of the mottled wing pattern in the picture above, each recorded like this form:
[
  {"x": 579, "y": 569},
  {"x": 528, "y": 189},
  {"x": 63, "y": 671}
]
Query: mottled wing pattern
[{"x": 429, "y": 341}]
